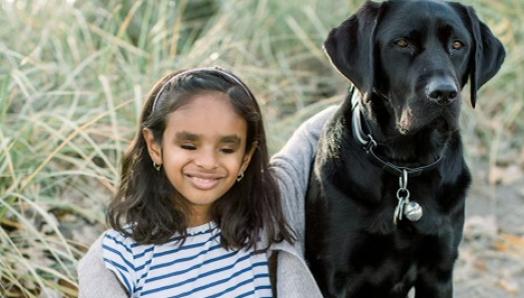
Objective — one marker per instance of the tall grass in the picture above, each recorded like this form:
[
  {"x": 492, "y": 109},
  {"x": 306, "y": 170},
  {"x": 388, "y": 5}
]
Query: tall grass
[{"x": 73, "y": 76}]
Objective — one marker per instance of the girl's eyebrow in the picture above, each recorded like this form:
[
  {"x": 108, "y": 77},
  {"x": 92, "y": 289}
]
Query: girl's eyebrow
[
  {"x": 188, "y": 136},
  {"x": 233, "y": 139}
]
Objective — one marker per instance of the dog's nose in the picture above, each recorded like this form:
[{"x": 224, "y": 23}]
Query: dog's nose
[{"x": 442, "y": 92}]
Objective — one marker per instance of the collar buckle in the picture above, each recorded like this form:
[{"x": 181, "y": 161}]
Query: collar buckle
[{"x": 370, "y": 144}]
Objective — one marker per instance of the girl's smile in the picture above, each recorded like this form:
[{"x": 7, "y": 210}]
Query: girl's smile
[{"x": 203, "y": 181}]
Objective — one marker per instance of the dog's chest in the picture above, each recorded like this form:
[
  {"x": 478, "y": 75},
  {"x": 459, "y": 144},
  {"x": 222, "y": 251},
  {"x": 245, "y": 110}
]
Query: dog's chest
[{"x": 415, "y": 209}]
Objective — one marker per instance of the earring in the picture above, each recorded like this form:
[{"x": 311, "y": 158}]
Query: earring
[
  {"x": 239, "y": 177},
  {"x": 156, "y": 166}
]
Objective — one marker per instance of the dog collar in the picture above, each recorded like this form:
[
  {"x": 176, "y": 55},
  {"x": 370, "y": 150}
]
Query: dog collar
[
  {"x": 369, "y": 143},
  {"x": 410, "y": 209}
]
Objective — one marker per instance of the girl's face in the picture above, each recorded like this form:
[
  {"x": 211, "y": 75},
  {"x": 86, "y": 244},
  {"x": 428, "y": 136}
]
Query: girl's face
[{"x": 203, "y": 151}]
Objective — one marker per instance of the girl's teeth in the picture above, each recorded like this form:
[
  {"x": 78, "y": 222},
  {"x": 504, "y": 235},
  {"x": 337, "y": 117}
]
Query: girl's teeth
[{"x": 204, "y": 183}]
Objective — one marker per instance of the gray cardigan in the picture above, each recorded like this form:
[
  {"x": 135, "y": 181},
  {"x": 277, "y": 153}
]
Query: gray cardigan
[{"x": 291, "y": 166}]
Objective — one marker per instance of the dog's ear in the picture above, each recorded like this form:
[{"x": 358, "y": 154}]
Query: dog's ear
[
  {"x": 350, "y": 47},
  {"x": 487, "y": 53}
]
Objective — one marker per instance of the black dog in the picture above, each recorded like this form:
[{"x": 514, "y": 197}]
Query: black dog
[{"x": 385, "y": 205}]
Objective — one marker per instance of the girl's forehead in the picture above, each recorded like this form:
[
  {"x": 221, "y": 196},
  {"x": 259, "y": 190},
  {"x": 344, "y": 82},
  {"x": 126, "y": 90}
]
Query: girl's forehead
[
  {"x": 210, "y": 113},
  {"x": 203, "y": 99}
]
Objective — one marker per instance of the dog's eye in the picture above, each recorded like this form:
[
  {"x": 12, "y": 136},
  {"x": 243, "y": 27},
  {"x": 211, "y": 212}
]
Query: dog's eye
[
  {"x": 402, "y": 42},
  {"x": 457, "y": 45}
]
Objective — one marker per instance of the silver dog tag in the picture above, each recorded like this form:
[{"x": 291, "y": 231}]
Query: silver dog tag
[
  {"x": 413, "y": 211},
  {"x": 396, "y": 213},
  {"x": 399, "y": 210}
]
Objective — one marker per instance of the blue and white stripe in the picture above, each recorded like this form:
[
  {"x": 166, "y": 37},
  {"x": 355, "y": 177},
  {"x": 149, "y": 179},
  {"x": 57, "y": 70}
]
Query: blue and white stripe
[{"x": 199, "y": 267}]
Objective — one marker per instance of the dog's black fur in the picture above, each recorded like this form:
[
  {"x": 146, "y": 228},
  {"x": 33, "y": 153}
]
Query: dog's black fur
[{"x": 409, "y": 60}]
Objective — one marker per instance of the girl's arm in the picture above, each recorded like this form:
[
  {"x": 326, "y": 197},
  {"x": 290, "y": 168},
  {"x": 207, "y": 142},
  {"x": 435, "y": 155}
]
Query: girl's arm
[
  {"x": 94, "y": 279},
  {"x": 292, "y": 165}
]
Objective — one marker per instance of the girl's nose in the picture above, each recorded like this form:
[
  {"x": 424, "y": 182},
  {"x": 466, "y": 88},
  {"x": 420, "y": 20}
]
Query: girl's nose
[{"x": 207, "y": 159}]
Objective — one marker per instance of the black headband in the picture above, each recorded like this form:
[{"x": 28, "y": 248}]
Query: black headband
[{"x": 212, "y": 69}]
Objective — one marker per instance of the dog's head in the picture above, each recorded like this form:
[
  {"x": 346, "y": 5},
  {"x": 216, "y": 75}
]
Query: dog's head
[{"x": 415, "y": 56}]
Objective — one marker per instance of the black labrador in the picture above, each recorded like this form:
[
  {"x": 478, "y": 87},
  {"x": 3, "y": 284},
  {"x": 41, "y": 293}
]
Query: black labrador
[{"x": 385, "y": 204}]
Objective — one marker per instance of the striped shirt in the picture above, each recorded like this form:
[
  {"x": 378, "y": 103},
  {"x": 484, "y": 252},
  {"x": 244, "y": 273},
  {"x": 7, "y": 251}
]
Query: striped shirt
[{"x": 200, "y": 267}]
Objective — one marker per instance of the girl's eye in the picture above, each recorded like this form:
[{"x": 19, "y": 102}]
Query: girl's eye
[
  {"x": 188, "y": 147},
  {"x": 227, "y": 150},
  {"x": 457, "y": 45},
  {"x": 402, "y": 43}
]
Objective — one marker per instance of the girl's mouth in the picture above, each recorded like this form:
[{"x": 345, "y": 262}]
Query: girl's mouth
[{"x": 203, "y": 183}]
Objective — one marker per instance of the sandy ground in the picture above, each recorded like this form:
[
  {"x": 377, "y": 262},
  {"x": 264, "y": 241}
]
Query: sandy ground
[{"x": 491, "y": 261}]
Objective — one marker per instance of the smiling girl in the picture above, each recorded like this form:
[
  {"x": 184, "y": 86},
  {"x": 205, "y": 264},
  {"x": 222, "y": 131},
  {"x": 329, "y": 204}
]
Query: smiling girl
[
  {"x": 198, "y": 212},
  {"x": 195, "y": 197}
]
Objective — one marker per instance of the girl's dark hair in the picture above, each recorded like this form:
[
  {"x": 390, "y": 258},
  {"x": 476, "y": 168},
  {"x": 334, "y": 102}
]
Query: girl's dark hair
[{"x": 149, "y": 209}]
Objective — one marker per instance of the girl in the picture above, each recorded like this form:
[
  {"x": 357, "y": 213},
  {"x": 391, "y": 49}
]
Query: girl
[
  {"x": 199, "y": 167},
  {"x": 195, "y": 195}
]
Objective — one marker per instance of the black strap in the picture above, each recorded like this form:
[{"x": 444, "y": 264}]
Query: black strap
[
  {"x": 369, "y": 144},
  {"x": 397, "y": 170}
]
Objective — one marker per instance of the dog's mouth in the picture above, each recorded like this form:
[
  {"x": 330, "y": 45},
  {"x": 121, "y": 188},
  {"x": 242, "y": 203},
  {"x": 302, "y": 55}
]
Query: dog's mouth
[
  {"x": 444, "y": 124},
  {"x": 412, "y": 121}
]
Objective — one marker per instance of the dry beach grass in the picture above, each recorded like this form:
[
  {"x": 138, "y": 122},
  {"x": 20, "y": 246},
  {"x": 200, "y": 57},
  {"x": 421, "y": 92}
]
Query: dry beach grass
[{"x": 73, "y": 75}]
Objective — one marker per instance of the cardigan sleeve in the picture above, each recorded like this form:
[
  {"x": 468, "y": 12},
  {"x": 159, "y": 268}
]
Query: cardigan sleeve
[
  {"x": 94, "y": 279},
  {"x": 292, "y": 165}
]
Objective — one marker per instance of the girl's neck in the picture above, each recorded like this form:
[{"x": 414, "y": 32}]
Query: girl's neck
[{"x": 198, "y": 218}]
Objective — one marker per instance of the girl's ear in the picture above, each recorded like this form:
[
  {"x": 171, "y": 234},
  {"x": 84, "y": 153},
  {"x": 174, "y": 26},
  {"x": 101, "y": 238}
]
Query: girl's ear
[
  {"x": 154, "y": 149},
  {"x": 247, "y": 157}
]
